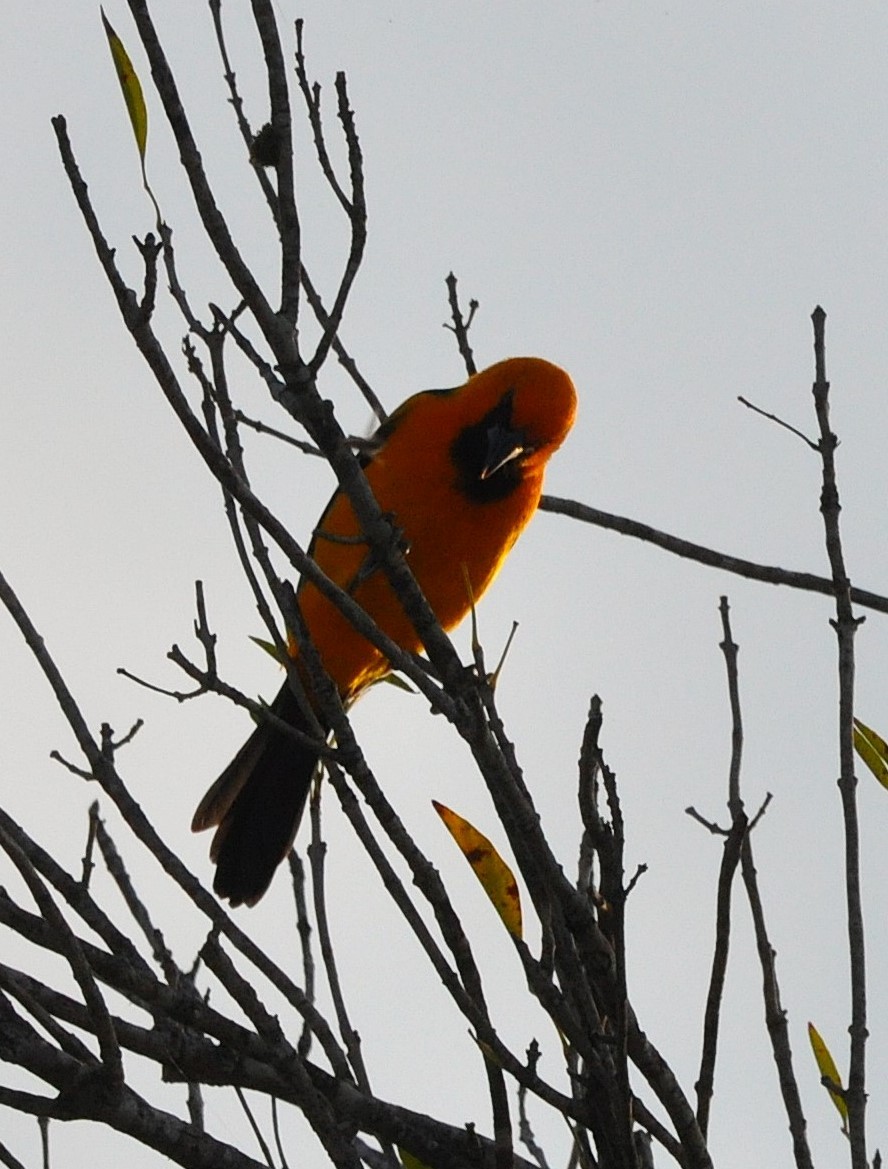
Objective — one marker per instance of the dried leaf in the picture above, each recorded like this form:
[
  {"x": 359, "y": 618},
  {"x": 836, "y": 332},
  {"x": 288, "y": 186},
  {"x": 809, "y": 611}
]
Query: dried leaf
[{"x": 495, "y": 876}]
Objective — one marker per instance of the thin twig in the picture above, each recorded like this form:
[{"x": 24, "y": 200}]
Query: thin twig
[
  {"x": 525, "y": 1131},
  {"x": 43, "y": 1123},
  {"x": 276, "y": 1129},
  {"x": 311, "y": 94},
  {"x": 257, "y": 1131},
  {"x": 289, "y": 230},
  {"x": 7, "y": 1159},
  {"x": 307, "y": 448},
  {"x": 775, "y": 1016},
  {"x": 17, "y": 986},
  {"x": 317, "y": 851},
  {"x": 303, "y": 929},
  {"x": 770, "y": 574},
  {"x": 112, "y": 1063},
  {"x": 116, "y": 868},
  {"x": 461, "y": 324},
  {"x": 357, "y": 217},
  {"x": 773, "y": 418},
  {"x": 315, "y": 1107},
  {"x": 76, "y": 896},
  {"x": 662, "y": 1079},
  {"x": 709, "y": 825},
  {"x": 217, "y": 403},
  {"x": 344, "y": 358},
  {"x": 213, "y": 221},
  {"x": 88, "y": 864},
  {"x": 730, "y": 860}
]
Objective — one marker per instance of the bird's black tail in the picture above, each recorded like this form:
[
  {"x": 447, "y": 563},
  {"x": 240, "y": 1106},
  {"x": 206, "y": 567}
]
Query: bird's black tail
[{"x": 256, "y": 805}]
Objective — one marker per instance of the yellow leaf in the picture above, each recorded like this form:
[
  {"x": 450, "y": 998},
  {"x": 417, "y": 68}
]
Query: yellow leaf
[
  {"x": 827, "y": 1067},
  {"x": 132, "y": 89},
  {"x": 487, "y": 1051},
  {"x": 398, "y": 682},
  {"x": 873, "y": 750},
  {"x": 489, "y": 867},
  {"x": 258, "y": 719},
  {"x": 409, "y": 1161},
  {"x": 270, "y": 648}
]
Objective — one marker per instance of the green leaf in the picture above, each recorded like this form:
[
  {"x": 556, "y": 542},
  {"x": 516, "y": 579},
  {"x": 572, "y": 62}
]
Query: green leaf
[
  {"x": 131, "y": 86},
  {"x": 873, "y": 750},
  {"x": 270, "y": 648},
  {"x": 398, "y": 682},
  {"x": 409, "y": 1161}
]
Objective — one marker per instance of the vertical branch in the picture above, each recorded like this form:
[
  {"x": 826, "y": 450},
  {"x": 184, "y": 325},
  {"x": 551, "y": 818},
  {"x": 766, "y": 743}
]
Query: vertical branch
[
  {"x": 775, "y": 1015},
  {"x": 215, "y": 225},
  {"x": 279, "y": 100},
  {"x": 730, "y": 859},
  {"x": 357, "y": 217},
  {"x": 606, "y": 842},
  {"x": 730, "y": 649},
  {"x": 845, "y": 625},
  {"x": 615, "y": 892},
  {"x": 461, "y": 324},
  {"x": 43, "y": 1122},
  {"x": 317, "y": 855}
]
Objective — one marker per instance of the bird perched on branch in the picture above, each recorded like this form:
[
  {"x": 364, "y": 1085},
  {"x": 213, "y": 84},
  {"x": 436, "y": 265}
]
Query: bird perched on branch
[{"x": 460, "y": 472}]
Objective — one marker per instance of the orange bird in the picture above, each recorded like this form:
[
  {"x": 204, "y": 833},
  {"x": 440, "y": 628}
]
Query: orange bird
[{"x": 461, "y": 472}]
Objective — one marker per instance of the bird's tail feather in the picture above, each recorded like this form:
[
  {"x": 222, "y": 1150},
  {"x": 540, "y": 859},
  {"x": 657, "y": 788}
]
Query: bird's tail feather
[{"x": 256, "y": 805}]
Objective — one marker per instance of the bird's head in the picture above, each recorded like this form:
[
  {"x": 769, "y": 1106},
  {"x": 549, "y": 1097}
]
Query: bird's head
[{"x": 516, "y": 414}]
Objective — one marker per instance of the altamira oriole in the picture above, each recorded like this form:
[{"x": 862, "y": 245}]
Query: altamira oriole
[{"x": 460, "y": 472}]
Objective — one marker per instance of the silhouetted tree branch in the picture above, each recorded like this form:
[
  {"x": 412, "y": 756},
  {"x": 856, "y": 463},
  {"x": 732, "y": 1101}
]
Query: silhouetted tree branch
[{"x": 125, "y": 995}]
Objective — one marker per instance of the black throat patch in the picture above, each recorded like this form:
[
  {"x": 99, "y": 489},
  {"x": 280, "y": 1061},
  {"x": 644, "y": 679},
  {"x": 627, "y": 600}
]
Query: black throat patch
[{"x": 468, "y": 453}]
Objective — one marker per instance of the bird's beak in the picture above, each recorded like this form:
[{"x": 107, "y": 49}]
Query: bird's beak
[{"x": 503, "y": 445}]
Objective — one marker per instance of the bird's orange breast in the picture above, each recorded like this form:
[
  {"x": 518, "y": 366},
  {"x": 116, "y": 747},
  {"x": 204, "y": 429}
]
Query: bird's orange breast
[{"x": 446, "y": 538}]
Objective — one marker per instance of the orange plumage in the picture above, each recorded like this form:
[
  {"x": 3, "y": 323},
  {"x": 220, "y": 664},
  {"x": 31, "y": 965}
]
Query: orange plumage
[{"x": 461, "y": 472}]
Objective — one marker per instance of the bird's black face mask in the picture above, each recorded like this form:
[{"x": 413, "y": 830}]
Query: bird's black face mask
[{"x": 488, "y": 454}]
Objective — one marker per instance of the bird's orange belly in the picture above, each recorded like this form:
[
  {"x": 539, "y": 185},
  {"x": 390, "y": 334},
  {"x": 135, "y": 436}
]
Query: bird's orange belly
[{"x": 452, "y": 574}]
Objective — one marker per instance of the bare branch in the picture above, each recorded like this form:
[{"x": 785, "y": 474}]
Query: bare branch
[
  {"x": 845, "y": 625},
  {"x": 274, "y": 329},
  {"x": 112, "y": 1065},
  {"x": 357, "y": 215},
  {"x": 680, "y": 547},
  {"x": 773, "y": 418},
  {"x": 7, "y": 1159},
  {"x": 287, "y": 214},
  {"x": 775, "y": 1015},
  {"x": 461, "y": 325},
  {"x": 317, "y": 851},
  {"x": 730, "y": 859},
  {"x": 114, "y": 864}
]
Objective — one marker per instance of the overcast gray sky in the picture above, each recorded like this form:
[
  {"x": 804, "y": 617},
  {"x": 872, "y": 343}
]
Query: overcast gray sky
[{"x": 653, "y": 196}]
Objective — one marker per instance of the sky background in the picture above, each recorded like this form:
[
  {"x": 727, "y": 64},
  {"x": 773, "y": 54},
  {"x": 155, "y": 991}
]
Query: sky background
[{"x": 655, "y": 197}]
